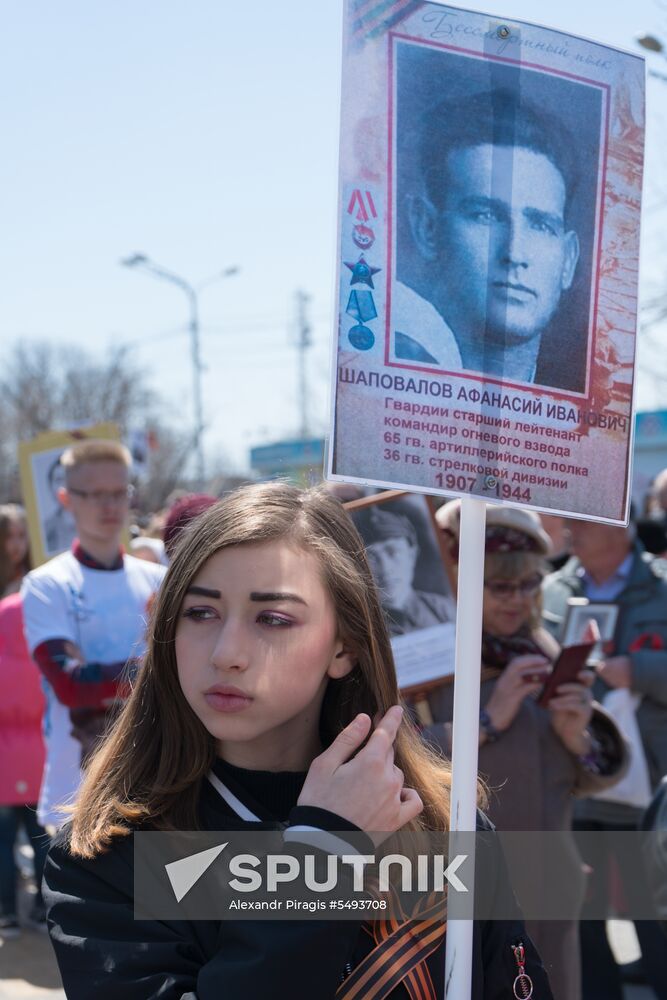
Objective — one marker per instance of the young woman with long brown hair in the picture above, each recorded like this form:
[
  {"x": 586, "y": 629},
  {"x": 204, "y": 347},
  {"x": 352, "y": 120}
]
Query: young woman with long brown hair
[{"x": 268, "y": 660}]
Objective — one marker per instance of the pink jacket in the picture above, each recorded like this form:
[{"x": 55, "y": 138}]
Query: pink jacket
[{"x": 21, "y": 711}]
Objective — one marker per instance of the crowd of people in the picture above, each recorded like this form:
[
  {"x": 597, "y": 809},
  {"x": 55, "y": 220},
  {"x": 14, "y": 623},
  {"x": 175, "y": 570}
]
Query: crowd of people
[
  {"x": 72, "y": 632},
  {"x": 234, "y": 666}
]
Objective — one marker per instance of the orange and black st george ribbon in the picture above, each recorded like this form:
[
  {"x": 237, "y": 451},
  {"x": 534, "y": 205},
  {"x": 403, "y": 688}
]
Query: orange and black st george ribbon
[{"x": 402, "y": 946}]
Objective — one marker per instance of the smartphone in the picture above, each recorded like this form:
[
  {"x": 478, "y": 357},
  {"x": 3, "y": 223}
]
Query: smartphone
[{"x": 568, "y": 665}]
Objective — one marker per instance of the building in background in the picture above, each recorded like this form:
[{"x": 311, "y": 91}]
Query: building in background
[
  {"x": 650, "y": 452},
  {"x": 300, "y": 461}
]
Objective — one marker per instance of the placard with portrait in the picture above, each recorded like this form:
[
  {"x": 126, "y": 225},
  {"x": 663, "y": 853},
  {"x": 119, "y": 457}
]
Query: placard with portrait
[
  {"x": 491, "y": 176},
  {"x": 50, "y": 526},
  {"x": 408, "y": 562}
]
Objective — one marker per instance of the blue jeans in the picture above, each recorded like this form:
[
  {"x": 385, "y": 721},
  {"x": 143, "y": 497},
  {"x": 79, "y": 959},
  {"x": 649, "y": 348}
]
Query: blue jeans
[{"x": 11, "y": 818}]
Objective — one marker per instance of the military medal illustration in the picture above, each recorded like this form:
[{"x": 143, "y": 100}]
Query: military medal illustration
[
  {"x": 362, "y": 308},
  {"x": 362, "y": 272},
  {"x": 361, "y": 304},
  {"x": 363, "y": 236}
]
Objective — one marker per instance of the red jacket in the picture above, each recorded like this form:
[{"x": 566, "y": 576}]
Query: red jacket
[{"x": 21, "y": 711}]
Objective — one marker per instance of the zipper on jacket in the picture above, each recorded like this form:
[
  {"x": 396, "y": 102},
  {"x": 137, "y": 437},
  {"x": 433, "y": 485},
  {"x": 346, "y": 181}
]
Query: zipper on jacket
[
  {"x": 347, "y": 971},
  {"x": 523, "y": 984}
]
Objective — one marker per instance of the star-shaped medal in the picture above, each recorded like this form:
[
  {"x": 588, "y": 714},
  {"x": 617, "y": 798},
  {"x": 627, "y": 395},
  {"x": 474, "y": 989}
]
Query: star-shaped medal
[{"x": 362, "y": 272}]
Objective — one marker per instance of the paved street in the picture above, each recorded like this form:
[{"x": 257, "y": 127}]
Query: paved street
[{"x": 28, "y": 971}]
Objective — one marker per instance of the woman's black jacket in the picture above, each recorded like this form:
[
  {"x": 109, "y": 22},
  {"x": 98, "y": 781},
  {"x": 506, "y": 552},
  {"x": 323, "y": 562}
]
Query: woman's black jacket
[{"x": 105, "y": 954}]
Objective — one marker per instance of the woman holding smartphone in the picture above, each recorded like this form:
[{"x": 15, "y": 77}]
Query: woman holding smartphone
[
  {"x": 267, "y": 699},
  {"x": 534, "y": 758}
]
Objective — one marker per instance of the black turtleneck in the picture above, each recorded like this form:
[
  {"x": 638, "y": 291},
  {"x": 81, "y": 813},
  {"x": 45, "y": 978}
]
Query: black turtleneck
[{"x": 276, "y": 791}]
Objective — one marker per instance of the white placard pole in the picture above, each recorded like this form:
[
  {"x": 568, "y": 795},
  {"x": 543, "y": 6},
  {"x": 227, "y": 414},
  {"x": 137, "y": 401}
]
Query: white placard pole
[{"x": 465, "y": 736}]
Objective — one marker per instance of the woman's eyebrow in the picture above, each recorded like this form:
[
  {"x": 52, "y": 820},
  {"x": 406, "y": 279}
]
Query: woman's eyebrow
[
  {"x": 272, "y": 595},
  {"x": 203, "y": 591}
]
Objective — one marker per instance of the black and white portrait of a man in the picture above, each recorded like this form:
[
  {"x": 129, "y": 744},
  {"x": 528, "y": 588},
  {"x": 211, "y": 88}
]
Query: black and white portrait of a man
[
  {"x": 496, "y": 202},
  {"x": 405, "y": 560}
]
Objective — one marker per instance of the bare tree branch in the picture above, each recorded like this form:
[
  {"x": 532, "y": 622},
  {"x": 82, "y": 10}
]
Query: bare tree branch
[{"x": 45, "y": 387}]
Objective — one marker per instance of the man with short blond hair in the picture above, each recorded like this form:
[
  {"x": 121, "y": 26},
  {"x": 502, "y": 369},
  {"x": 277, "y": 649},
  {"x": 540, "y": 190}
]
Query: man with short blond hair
[
  {"x": 94, "y": 450},
  {"x": 85, "y": 616}
]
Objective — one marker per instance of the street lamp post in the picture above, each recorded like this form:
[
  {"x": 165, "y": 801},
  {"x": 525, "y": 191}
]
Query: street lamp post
[
  {"x": 140, "y": 260},
  {"x": 652, "y": 44}
]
